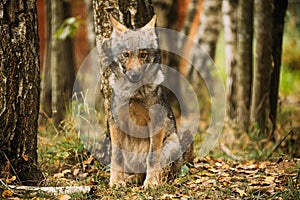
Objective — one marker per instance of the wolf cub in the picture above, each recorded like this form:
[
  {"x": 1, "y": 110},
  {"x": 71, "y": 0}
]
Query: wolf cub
[{"x": 145, "y": 144}]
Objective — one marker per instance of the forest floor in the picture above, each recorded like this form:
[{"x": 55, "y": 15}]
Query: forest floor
[
  {"x": 207, "y": 178},
  {"x": 239, "y": 167}
]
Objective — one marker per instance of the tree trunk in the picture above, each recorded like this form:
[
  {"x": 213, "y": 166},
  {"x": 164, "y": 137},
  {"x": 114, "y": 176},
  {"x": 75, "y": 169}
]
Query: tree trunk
[
  {"x": 190, "y": 29},
  {"x": 280, "y": 7},
  {"x": 209, "y": 29},
  {"x": 184, "y": 6},
  {"x": 46, "y": 103},
  {"x": 61, "y": 65},
  {"x": 207, "y": 34},
  {"x": 245, "y": 64},
  {"x": 262, "y": 72},
  {"x": 19, "y": 90},
  {"x": 230, "y": 35}
]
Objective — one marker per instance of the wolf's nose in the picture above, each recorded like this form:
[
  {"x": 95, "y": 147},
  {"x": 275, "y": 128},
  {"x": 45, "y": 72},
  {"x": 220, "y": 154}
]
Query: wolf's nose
[{"x": 134, "y": 77}]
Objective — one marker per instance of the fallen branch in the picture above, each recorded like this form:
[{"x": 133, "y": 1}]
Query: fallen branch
[{"x": 32, "y": 191}]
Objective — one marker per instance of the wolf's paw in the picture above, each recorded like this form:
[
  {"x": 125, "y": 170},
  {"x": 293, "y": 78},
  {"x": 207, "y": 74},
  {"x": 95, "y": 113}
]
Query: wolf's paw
[
  {"x": 151, "y": 183},
  {"x": 117, "y": 183},
  {"x": 117, "y": 179}
]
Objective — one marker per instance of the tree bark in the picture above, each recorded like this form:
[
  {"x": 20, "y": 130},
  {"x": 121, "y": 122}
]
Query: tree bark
[
  {"x": 245, "y": 64},
  {"x": 280, "y": 7},
  {"x": 262, "y": 72},
  {"x": 230, "y": 35},
  {"x": 19, "y": 90}
]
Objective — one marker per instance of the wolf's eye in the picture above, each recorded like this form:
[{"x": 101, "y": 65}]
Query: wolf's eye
[
  {"x": 143, "y": 54},
  {"x": 126, "y": 54}
]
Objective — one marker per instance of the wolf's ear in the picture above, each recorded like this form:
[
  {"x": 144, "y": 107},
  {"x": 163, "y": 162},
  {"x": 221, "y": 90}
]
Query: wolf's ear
[
  {"x": 150, "y": 27},
  {"x": 118, "y": 27},
  {"x": 151, "y": 23}
]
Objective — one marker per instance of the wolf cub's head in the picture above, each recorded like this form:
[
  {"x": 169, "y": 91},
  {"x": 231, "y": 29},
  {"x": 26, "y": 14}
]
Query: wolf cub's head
[{"x": 135, "y": 54}]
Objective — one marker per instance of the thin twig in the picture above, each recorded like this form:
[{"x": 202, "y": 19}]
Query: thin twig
[
  {"x": 279, "y": 143},
  {"x": 42, "y": 112}
]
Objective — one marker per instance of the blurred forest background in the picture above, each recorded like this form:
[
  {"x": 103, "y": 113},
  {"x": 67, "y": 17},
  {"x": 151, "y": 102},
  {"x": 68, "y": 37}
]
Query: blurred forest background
[{"x": 261, "y": 129}]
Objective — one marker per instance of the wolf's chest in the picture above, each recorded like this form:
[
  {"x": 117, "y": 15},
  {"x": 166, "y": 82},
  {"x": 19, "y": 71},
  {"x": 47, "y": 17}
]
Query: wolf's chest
[{"x": 133, "y": 119}]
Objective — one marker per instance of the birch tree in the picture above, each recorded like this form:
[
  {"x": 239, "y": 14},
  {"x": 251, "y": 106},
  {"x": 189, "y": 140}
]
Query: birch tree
[
  {"x": 229, "y": 9},
  {"x": 210, "y": 26}
]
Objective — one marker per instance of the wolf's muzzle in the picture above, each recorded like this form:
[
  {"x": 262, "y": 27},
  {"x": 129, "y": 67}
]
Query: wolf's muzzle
[{"x": 134, "y": 76}]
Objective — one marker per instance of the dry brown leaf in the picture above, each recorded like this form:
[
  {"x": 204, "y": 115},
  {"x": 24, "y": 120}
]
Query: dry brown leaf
[
  {"x": 58, "y": 175},
  {"x": 76, "y": 171},
  {"x": 10, "y": 180},
  {"x": 7, "y": 193},
  {"x": 242, "y": 193},
  {"x": 66, "y": 171},
  {"x": 64, "y": 197},
  {"x": 25, "y": 157},
  {"x": 88, "y": 161}
]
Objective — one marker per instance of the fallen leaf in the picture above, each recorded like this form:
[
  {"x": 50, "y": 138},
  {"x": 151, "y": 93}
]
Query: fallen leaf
[
  {"x": 213, "y": 170},
  {"x": 63, "y": 197},
  {"x": 66, "y": 171},
  {"x": 251, "y": 167},
  {"x": 10, "y": 180},
  {"x": 7, "y": 193},
  {"x": 25, "y": 157},
  {"x": 88, "y": 161},
  {"x": 218, "y": 164},
  {"x": 58, "y": 175},
  {"x": 76, "y": 171},
  {"x": 84, "y": 175},
  {"x": 241, "y": 192},
  {"x": 198, "y": 181}
]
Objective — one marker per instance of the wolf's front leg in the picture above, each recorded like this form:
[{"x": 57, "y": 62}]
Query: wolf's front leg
[
  {"x": 117, "y": 159},
  {"x": 154, "y": 171}
]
